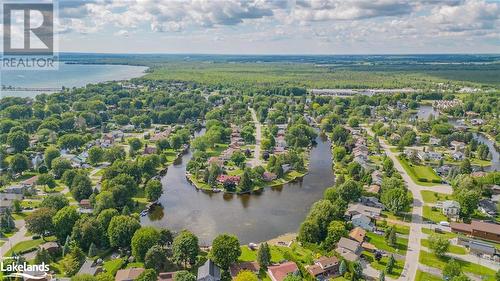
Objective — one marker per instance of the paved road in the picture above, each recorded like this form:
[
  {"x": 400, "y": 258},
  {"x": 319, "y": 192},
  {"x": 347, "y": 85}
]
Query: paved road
[
  {"x": 412, "y": 254},
  {"x": 256, "y": 161},
  {"x": 19, "y": 236}
]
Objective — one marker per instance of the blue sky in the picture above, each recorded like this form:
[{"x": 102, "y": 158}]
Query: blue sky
[{"x": 280, "y": 26}]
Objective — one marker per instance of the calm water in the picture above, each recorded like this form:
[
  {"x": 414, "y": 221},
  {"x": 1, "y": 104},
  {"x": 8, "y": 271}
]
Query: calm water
[
  {"x": 495, "y": 156},
  {"x": 425, "y": 111},
  {"x": 253, "y": 218},
  {"x": 68, "y": 75}
]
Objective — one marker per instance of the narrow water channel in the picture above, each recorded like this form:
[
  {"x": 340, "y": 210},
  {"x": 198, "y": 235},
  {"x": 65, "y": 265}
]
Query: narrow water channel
[{"x": 253, "y": 218}]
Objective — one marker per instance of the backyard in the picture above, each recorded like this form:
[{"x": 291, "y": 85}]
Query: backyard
[{"x": 422, "y": 175}]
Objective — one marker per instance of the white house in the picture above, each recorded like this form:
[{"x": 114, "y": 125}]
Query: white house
[
  {"x": 458, "y": 156},
  {"x": 362, "y": 221},
  {"x": 449, "y": 208}
]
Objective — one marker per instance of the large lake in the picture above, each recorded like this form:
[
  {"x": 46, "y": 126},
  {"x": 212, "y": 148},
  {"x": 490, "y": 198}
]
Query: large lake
[
  {"x": 253, "y": 218},
  {"x": 68, "y": 75}
]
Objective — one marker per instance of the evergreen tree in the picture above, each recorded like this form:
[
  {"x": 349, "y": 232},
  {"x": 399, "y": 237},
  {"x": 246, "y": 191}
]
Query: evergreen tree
[
  {"x": 264, "y": 256},
  {"x": 342, "y": 267},
  {"x": 390, "y": 264},
  {"x": 92, "y": 250},
  {"x": 66, "y": 246}
]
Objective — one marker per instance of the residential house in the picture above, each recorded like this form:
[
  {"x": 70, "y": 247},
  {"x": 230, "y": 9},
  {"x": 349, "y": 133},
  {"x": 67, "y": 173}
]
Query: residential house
[
  {"x": 286, "y": 168},
  {"x": 215, "y": 161},
  {"x": 495, "y": 189},
  {"x": 477, "y": 121},
  {"x": 280, "y": 271},
  {"x": 486, "y": 206},
  {"x": 31, "y": 182},
  {"x": 17, "y": 189},
  {"x": 374, "y": 188},
  {"x": 362, "y": 221},
  {"x": 434, "y": 141},
  {"x": 166, "y": 276},
  {"x": 478, "y": 174},
  {"x": 281, "y": 142},
  {"x": 5, "y": 205},
  {"x": 377, "y": 177},
  {"x": 51, "y": 247},
  {"x": 324, "y": 268},
  {"x": 358, "y": 208},
  {"x": 11, "y": 196},
  {"x": 161, "y": 135},
  {"x": 457, "y": 145},
  {"x": 479, "y": 229},
  {"x": 410, "y": 152},
  {"x": 128, "y": 128},
  {"x": 480, "y": 248},
  {"x": 358, "y": 234},
  {"x": 252, "y": 266},
  {"x": 371, "y": 201},
  {"x": 149, "y": 150},
  {"x": 449, "y": 208},
  {"x": 458, "y": 156},
  {"x": 268, "y": 176},
  {"x": 443, "y": 170},
  {"x": 349, "y": 249},
  {"x": 227, "y": 179},
  {"x": 209, "y": 271},
  {"x": 429, "y": 155},
  {"x": 90, "y": 267},
  {"x": 128, "y": 274}
]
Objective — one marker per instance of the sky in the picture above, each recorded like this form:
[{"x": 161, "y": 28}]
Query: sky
[{"x": 279, "y": 26}]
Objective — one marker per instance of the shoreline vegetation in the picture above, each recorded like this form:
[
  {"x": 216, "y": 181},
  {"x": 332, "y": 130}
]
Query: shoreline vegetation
[{"x": 289, "y": 177}]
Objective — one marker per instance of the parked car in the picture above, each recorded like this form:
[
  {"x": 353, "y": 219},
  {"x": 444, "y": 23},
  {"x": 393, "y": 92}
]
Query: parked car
[{"x": 444, "y": 223}]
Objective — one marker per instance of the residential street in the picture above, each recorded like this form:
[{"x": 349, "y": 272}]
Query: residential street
[
  {"x": 19, "y": 236},
  {"x": 414, "y": 247},
  {"x": 411, "y": 262},
  {"x": 256, "y": 161}
]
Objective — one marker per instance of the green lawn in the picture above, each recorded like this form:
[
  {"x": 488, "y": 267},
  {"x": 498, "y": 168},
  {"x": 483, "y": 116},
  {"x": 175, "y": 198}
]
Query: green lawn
[
  {"x": 27, "y": 245},
  {"x": 278, "y": 253},
  {"x": 435, "y": 216},
  {"x": 113, "y": 265},
  {"x": 433, "y": 197},
  {"x": 431, "y": 260},
  {"x": 398, "y": 267},
  {"x": 381, "y": 244},
  {"x": 454, "y": 249},
  {"x": 422, "y": 175},
  {"x": 401, "y": 229},
  {"x": 401, "y": 217},
  {"x": 448, "y": 235},
  {"x": 424, "y": 276}
]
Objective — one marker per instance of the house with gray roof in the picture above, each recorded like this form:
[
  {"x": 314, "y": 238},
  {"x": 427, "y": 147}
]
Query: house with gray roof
[{"x": 209, "y": 272}]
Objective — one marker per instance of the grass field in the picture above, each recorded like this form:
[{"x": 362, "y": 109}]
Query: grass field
[
  {"x": 432, "y": 197},
  {"x": 447, "y": 235},
  {"x": 26, "y": 245},
  {"x": 424, "y": 276},
  {"x": 435, "y": 216},
  {"x": 280, "y": 253},
  {"x": 454, "y": 249},
  {"x": 431, "y": 260},
  {"x": 398, "y": 267},
  {"x": 381, "y": 244},
  {"x": 418, "y": 173}
]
